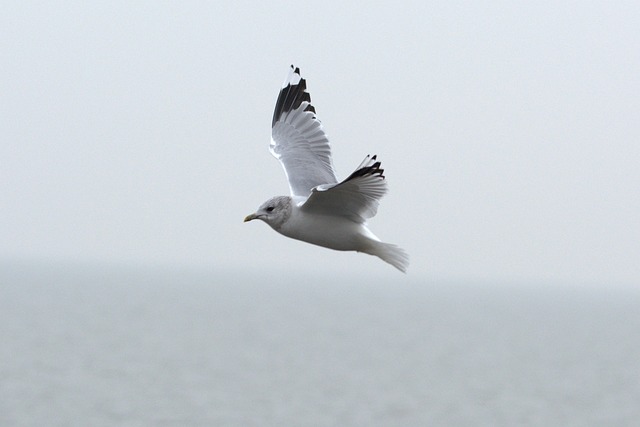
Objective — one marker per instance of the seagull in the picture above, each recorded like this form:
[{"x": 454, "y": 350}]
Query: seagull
[{"x": 321, "y": 210}]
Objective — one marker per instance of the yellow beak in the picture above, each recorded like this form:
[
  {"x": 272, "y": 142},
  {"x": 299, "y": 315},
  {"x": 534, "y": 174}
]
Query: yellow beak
[{"x": 249, "y": 217}]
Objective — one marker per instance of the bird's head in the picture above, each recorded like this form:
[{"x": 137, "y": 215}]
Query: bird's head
[{"x": 274, "y": 211}]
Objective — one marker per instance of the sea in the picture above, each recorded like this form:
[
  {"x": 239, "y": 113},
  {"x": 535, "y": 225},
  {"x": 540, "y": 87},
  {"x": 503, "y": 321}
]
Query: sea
[{"x": 106, "y": 345}]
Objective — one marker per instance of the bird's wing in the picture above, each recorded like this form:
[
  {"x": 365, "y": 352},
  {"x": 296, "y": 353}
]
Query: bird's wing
[
  {"x": 356, "y": 198},
  {"x": 297, "y": 138}
]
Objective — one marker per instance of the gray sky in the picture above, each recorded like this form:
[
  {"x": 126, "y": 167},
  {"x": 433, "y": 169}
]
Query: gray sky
[{"x": 509, "y": 133}]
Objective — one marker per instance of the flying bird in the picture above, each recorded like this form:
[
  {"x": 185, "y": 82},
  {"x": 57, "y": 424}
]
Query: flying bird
[{"x": 321, "y": 210}]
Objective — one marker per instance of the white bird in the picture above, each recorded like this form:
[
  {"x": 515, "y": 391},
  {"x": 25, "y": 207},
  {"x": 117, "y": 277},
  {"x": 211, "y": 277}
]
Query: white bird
[{"x": 321, "y": 210}]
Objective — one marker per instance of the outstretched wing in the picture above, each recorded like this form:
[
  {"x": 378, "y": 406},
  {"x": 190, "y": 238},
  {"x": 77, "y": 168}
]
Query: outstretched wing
[
  {"x": 297, "y": 138},
  {"x": 356, "y": 198}
]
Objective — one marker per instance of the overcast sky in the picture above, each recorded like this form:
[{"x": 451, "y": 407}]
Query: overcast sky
[{"x": 138, "y": 132}]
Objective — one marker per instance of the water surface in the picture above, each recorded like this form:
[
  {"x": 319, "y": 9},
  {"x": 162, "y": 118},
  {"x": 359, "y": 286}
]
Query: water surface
[{"x": 109, "y": 346}]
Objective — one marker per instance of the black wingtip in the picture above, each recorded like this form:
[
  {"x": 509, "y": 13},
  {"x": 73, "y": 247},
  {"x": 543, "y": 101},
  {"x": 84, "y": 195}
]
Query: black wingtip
[
  {"x": 291, "y": 97},
  {"x": 374, "y": 169}
]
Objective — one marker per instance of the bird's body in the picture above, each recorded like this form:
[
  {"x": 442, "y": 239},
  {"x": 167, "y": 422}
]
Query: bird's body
[
  {"x": 321, "y": 210},
  {"x": 328, "y": 231}
]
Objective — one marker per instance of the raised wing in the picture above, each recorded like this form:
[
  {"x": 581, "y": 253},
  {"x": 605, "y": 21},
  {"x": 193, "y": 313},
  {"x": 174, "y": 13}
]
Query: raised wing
[
  {"x": 356, "y": 198},
  {"x": 297, "y": 138}
]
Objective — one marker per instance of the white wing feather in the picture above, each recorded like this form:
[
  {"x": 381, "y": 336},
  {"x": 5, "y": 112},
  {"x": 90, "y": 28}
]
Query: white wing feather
[
  {"x": 298, "y": 140},
  {"x": 356, "y": 198}
]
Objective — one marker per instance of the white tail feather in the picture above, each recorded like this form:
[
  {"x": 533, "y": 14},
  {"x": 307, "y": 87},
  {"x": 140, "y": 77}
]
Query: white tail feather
[{"x": 389, "y": 253}]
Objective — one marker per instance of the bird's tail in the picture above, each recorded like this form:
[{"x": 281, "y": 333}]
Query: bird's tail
[{"x": 390, "y": 253}]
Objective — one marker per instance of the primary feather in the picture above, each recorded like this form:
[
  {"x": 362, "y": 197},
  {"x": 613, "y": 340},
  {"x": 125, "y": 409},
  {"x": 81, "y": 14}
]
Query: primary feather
[{"x": 298, "y": 140}]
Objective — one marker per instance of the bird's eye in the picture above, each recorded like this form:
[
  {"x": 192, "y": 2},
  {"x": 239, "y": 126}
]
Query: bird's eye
[{"x": 270, "y": 209}]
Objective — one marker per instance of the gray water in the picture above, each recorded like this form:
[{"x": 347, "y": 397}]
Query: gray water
[{"x": 126, "y": 347}]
